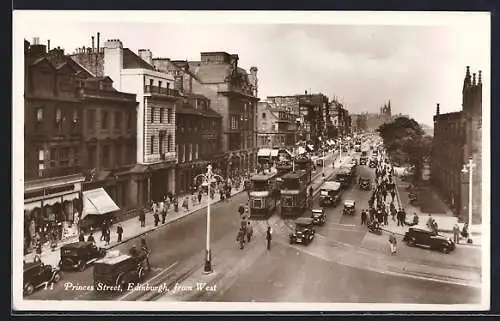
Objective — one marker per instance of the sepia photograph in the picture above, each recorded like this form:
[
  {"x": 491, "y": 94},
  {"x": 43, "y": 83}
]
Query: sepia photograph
[{"x": 255, "y": 161}]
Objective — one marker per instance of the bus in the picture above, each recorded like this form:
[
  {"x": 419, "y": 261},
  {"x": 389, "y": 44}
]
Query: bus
[
  {"x": 293, "y": 195},
  {"x": 304, "y": 163},
  {"x": 263, "y": 195}
]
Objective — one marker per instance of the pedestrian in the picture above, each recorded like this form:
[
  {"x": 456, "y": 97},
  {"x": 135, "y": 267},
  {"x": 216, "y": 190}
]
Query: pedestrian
[
  {"x": 400, "y": 217},
  {"x": 107, "y": 237},
  {"x": 185, "y": 203},
  {"x": 146, "y": 251},
  {"x": 268, "y": 237},
  {"x": 249, "y": 232},
  {"x": 240, "y": 238},
  {"x": 465, "y": 230},
  {"x": 163, "y": 215},
  {"x": 193, "y": 199},
  {"x": 142, "y": 217},
  {"x": 176, "y": 204},
  {"x": 393, "y": 195},
  {"x": 154, "y": 207},
  {"x": 456, "y": 233},
  {"x": 392, "y": 243},
  {"x": 363, "y": 217},
  {"x": 119, "y": 231},
  {"x": 81, "y": 237},
  {"x": 91, "y": 238},
  {"x": 200, "y": 196},
  {"x": 311, "y": 192},
  {"x": 415, "y": 219},
  {"x": 429, "y": 221},
  {"x": 386, "y": 217},
  {"x": 156, "y": 218}
]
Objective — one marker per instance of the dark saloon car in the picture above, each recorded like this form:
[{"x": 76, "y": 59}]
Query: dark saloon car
[
  {"x": 318, "y": 215},
  {"x": 420, "y": 236},
  {"x": 37, "y": 275},
  {"x": 78, "y": 255},
  {"x": 373, "y": 163},
  {"x": 304, "y": 231},
  {"x": 363, "y": 160}
]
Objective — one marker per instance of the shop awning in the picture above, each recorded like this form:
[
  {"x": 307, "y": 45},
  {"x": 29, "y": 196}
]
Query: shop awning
[
  {"x": 98, "y": 202},
  {"x": 274, "y": 152},
  {"x": 264, "y": 152},
  {"x": 52, "y": 201},
  {"x": 32, "y": 206},
  {"x": 70, "y": 197}
]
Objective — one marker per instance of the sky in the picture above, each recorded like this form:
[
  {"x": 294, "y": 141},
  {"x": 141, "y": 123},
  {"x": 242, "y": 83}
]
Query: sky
[{"x": 413, "y": 60}]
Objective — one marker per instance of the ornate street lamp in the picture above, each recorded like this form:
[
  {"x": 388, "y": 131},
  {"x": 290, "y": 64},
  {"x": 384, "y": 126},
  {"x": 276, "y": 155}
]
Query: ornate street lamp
[
  {"x": 208, "y": 178},
  {"x": 468, "y": 168}
]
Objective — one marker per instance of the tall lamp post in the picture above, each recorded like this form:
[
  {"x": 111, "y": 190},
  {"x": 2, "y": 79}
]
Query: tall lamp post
[
  {"x": 468, "y": 168},
  {"x": 208, "y": 178}
]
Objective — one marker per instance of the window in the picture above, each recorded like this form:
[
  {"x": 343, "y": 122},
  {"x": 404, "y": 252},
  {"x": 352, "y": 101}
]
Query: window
[
  {"x": 39, "y": 115},
  {"x": 196, "y": 151},
  {"x": 118, "y": 154},
  {"x": 169, "y": 143},
  {"x": 169, "y": 115},
  {"x": 129, "y": 120},
  {"x": 90, "y": 119},
  {"x": 58, "y": 119},
  {"x": 104, "y": 120},
  {"x": 263, "y": 115},
  {"x": 168, "y": 86},
  {"x": 74, "y": 121},
  {"x": 151, "y": 82},
  {"x": 177, "y": 151},
  {"x": 118, "y": 119},
  {"x": 105, "y": 156},
  {"x": 183, "y": 152},
  {"x": 159, "y": 83},
  {"x": 152, "y": 145},
  {"x": 161, "y": 142},
  {"x": 152, "y": 119},
  {"x": 53, "y": 154},
  {"x": 161, "y": 115},
  {"x": 190, "y": 152},
  {"x": 234, "y": 122}
]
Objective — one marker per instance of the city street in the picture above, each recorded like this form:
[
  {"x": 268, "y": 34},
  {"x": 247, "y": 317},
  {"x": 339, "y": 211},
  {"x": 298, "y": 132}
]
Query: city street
[{"x": 363, "y": 269}]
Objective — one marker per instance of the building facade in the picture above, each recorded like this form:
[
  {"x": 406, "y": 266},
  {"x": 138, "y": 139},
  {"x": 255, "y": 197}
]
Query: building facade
[
  {"x": 198, "y": 141},
  {"x": 275, "y": 126},
  {"x": 232, "y": 93},
  {"x": 155, "y": 125},
  {"x": 52, "y": 144},
  {"x": 457, "y": 137}
]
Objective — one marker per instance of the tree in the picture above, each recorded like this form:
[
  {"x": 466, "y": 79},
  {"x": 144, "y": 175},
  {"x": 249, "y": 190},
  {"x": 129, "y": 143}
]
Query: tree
[{"x": 406, "y": 142}]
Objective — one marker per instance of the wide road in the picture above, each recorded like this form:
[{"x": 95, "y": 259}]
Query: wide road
[{"x": 177, "y": 250}]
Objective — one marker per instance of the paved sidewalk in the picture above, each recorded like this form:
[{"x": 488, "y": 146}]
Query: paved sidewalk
[
  {"x": 131, "y": 229},
  {"x": 445, "y": 221}
]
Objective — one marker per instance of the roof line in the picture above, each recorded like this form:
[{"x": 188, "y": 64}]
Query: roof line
[{"x": 76, "y": 62}]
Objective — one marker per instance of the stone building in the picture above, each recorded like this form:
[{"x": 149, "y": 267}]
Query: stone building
[
  {"x": 157, "y": 99},
  {"x": 457, "y": 137},
  {"x": 59, "y": 163},
  {"x": 233, "y": 94},
  {"x": 198, "y": 141},
  {"x": 275, "y": 126}
]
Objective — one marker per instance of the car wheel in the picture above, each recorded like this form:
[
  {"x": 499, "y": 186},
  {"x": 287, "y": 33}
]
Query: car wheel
[
  {"x": 445, "y": 250},
  {"x": 411, "y": 242},
  {"x": 29, "y": 289},
  {"x": 56, "y": 278},
  {"x": 81, "y": 266}
]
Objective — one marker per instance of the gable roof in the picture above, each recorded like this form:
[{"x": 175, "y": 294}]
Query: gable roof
[{"x": 133, "y": 61}]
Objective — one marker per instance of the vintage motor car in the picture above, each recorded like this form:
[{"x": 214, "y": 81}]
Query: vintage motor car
[
  {"x": 114, "y": 271},
  {"x": 349, "y": 207},
  {"x": 37, "y": 274},
  {"x": 329, "y": 193},
  {"x": 423, "y": 237},
  {"x": 304, "y": 231},
  {"x": 365, "y": 184},
  {"x": 319, "y": 216},
  {"x": 78, "y": 255},
  {"x": 373, "y": 163},
  {"x": 363, "y": 160}
]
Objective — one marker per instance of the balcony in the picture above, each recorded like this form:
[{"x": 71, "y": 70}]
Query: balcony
[
  {"x": 52, "y": 172},
  {"x": 155, "y": 90}
]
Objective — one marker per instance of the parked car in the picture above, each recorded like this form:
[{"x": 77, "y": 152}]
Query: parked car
[
  {"x": 420, "y": 236},
  {"x": 79, "y": 255},
  {"x": 37, "y": 274},
  {"x": 319, "y": 216},
  {"x": 304, "y": 231}
]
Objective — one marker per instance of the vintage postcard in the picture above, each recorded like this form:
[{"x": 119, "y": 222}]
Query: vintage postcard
[{"x": 184, "y": 161}]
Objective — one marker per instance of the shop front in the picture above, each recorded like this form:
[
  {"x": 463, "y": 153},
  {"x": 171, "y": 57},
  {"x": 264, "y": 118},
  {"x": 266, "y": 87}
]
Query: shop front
[
  {"x": 98, "y": 206},
  {"x": 51, "y": 207}
]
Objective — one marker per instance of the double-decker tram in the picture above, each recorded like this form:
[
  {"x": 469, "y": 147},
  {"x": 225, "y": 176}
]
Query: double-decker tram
[
  {"x": 304, "y": 163},
  {"x": 263, "y": 195},
  {"x": 293, "y": 194}
]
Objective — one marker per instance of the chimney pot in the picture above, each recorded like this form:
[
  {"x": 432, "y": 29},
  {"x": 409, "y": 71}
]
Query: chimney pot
[
  {"x": 93, "y": 44},
  {"x": 48, "y": 45},
  {"x": 98, "y": 37},
  {"x": 474, "y": 78},
  {"x": 437, "y": 109},
  {"x": 479, "y": 81}
]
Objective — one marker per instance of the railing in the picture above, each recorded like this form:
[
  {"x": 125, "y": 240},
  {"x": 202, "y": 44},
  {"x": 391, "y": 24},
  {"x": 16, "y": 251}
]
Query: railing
[
  {"x": 53, "y": 172},
  {"x": 161, "y": 90}
]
